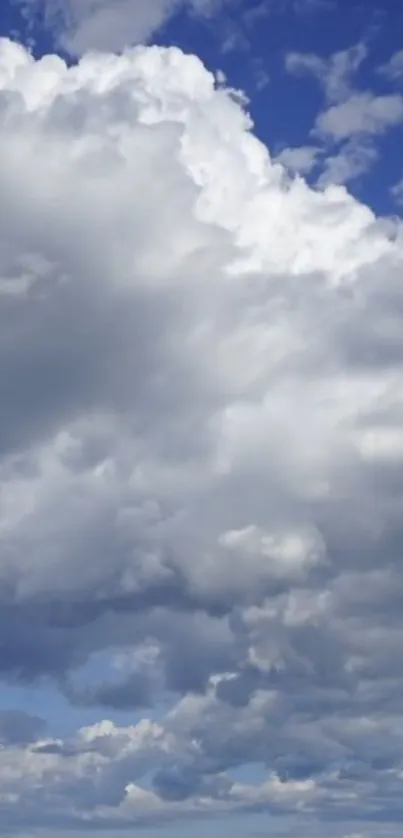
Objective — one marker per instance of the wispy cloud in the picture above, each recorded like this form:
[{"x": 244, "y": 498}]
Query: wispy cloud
[
  {"x": 362, "y": 113},
  {"x": 354, "y": 159},
  {"x": 352, "y": 118},
  {"x": 334, "y": 73},
  {"x": 393, "y": 69},
  {"x": 397, "y": 192}
]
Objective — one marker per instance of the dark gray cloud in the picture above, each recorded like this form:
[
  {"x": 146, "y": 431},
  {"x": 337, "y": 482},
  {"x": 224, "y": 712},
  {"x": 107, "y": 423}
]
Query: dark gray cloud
[{"x": 133, "y": 692}]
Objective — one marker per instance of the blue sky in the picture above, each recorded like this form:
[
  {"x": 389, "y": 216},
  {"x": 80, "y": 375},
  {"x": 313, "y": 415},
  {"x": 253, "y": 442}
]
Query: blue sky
[{"x": 201, "y": 435}]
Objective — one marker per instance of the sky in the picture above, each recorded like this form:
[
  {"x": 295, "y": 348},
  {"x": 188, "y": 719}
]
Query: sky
[{"x": 201, "y": 418}]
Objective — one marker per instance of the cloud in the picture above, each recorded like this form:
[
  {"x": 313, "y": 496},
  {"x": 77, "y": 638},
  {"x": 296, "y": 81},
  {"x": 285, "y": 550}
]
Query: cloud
[
  {"x": 82, "y": 25},
  {"x": 393, "y": 69},
  {"x": 18, "y": 728},
  {"x": 333, "y": 73},
  {"x": 351, "y": 117},
  {"x": 302, "y": 159},
  {"x": 362, "y": 113},
  {"x": 94, "y": 770},
  {"x": 397, "y": 191},
  {"x": 201, "y": 369},
  {"x": 261, "y": 76},
  {"x": 353, "y": 159},
  {"x": 131, "y": 693}
]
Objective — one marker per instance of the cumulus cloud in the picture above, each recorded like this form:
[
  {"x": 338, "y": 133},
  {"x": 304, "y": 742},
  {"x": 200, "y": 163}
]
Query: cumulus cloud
[{"x": 201, "y": 378}]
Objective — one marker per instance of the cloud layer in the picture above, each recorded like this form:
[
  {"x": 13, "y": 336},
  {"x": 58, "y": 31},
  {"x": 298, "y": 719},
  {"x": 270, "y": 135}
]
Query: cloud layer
[{"x": 201, "y": 378}]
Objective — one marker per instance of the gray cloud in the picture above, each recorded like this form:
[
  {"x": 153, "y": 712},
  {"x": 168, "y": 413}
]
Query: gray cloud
[
  {"x": 131, "y": 693},
  {"x": 19, "y": 728},
  {"x": 200, "y": 467},
  {"x": 393, "y": 69}
]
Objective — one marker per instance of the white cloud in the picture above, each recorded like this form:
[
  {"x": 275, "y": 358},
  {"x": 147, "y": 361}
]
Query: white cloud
[
  {"x": 261, "y": 76},
  {"x": 397, "y": 191},
  {"x": 302, "y": 159},
  {"x": 362, "y": 113},
  {"x": 351, "y": 116},
  {"x": 393, "y": 69},
  {"x": 83, "y": 25},
  {"x": 353, "y": 159},
  {"x": 333, "y": 73},
  {"x": 201, "y": 378}
]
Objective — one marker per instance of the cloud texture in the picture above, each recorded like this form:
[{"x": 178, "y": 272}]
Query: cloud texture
[{"x": 201, "y": 378}]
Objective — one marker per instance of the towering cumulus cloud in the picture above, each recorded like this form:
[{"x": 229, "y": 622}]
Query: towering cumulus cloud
[{"x": 201, "y": 451}]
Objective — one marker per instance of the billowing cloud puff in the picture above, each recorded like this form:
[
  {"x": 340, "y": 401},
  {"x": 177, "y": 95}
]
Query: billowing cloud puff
[{"x": 201, "y": 378}]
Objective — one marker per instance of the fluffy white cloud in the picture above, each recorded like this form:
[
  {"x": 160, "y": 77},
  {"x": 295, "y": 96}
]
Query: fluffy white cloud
[{"x": 201, "y": 378}]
